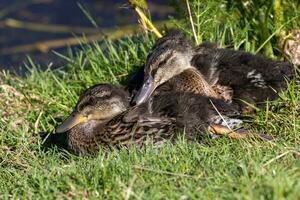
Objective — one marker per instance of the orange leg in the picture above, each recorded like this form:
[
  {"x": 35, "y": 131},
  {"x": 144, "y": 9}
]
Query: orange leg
[{"x": 236, "y": 134}]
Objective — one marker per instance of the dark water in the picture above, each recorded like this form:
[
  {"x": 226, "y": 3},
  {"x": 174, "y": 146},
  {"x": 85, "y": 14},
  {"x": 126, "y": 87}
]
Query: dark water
[{"x": 106, "y": 13}]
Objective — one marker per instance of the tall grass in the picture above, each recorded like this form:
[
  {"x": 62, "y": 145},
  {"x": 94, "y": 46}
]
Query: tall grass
[{"x": 261, "y": 24}]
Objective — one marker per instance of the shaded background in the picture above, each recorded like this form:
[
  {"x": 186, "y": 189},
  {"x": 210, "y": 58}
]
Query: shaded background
[{"x": 107, "y": 14}]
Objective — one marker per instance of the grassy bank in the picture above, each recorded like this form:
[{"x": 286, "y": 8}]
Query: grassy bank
[{"x": 212, "y": 169}]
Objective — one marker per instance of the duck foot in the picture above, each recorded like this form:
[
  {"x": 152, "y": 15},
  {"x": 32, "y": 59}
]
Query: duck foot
[{"x": 242, "y": 133}]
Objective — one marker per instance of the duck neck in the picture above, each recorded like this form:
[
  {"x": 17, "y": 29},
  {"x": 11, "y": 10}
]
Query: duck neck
[
  {"x": 87, "y": 129},
  {"x": 84, "y": 138}
]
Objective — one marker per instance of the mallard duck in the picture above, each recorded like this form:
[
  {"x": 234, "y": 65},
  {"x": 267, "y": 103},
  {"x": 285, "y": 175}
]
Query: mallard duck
[
  {"x": 169, "y": 61},
  {"x": 102, "y": 118},
  {"x": 214, "y": 72}
]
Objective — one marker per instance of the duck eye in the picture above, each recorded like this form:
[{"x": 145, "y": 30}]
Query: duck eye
[
  {"x": 92, "y": 101},
  {"x": 163, "y": 62},
  {"x": 104, "y": 93}
]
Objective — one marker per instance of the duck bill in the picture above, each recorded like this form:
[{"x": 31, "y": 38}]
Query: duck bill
[
  {"x": 70, "y": 122},
  {"x": 145, "y": 92}
]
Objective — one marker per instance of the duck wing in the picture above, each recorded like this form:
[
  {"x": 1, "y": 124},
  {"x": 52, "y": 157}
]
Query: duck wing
[
  {"x": 237, "y": 68},
  {"x": 131, "y": 129},
  {"x": 253, "y": 78}
]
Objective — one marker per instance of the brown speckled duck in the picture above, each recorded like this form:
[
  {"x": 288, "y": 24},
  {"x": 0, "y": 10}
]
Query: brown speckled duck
[
  {"x": 103, "y": 118},
  {"x": 214, "y": 72},
  {"x": 100, "y": 120}
]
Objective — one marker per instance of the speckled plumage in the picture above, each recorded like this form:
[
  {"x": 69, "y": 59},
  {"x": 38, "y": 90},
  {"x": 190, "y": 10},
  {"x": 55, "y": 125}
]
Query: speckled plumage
[
  {"x": 192, "y": 81},
  {"x": 117, "y": 132},
  {"x": 115, "y": 129}
]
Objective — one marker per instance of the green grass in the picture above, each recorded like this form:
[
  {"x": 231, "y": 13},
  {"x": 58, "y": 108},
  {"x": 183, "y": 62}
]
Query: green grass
[{"x": 212, "y": 169}]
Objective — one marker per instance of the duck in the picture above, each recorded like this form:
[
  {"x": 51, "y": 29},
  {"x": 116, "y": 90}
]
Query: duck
[
  {"x": 234, "y": 76},
  {"x": 103, "y": 118},
  {"x": 169, "y": 61}
]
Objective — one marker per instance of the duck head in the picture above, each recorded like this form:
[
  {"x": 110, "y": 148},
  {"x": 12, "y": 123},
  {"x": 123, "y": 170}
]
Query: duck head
[
  {"x": 100, "y": 102},
  {"x": 170, "y": 56}
]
